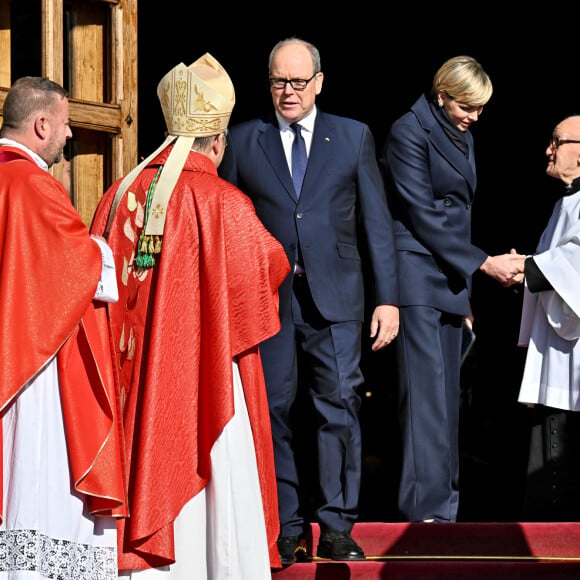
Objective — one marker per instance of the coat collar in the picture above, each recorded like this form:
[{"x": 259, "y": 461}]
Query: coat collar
[
  {"x": 465, "y": 166},
  {"x": 323, "y": 137}
]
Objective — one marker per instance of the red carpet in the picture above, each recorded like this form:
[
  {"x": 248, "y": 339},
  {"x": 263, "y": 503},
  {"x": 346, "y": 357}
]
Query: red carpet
[{"x": 461, "y": 550}]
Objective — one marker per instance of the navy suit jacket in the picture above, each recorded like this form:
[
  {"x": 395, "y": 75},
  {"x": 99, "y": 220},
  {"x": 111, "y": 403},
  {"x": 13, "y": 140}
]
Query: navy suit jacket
[
  {"x": 430, "y": 187},
  {"x": 342, "y": 196}
]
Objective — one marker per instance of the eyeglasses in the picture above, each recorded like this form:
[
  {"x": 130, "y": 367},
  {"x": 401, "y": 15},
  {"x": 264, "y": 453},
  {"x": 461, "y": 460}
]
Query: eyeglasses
[
  {"x": 555, "y": 142},
  {"x": 296, "y": 84}
]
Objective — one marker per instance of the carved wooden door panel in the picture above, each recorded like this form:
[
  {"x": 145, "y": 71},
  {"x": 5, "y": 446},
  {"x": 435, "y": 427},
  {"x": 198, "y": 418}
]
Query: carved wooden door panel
[{"x": 90, "y": 47}]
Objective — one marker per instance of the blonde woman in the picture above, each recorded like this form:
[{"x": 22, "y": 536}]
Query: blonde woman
[{"x": 429, "y": 168}]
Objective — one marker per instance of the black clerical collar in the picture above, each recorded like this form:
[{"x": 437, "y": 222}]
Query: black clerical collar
[{"x": 573, "y": 187}]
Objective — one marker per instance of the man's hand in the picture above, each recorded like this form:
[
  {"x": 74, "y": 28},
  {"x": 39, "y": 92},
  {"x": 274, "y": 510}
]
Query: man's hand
[{"x": 384, "y": 325}]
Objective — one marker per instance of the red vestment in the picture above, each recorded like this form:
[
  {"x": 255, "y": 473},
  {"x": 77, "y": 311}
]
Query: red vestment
[
  {"x": 49, "y": 270},
  {"x": 211, "y": 297}
]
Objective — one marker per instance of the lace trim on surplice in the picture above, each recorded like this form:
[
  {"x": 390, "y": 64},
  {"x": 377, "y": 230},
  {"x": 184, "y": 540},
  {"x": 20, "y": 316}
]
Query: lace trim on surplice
[{"x": 55, "y": 559}]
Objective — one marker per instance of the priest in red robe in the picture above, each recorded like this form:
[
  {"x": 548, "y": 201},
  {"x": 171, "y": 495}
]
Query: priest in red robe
[
  {"x": 62, "y": 471},
  {"x": 198, "y": 281}
]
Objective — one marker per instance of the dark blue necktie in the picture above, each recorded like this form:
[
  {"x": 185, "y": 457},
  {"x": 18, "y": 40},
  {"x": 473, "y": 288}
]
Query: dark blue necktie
[{"x": 299, "y": 158}]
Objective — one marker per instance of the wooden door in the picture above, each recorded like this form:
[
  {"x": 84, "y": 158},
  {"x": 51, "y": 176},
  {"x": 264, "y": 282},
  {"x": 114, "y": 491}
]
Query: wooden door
[{"x": 90, "y": 47}]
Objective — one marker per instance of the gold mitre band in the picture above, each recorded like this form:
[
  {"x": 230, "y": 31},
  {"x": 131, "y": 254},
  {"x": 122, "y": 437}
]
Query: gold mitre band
[{"x": 198, "y": 100}]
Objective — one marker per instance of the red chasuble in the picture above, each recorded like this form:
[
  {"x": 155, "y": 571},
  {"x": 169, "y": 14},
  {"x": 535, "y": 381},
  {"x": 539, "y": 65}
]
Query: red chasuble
[
  {"x": 49, "y": 270},
  {"x": 211, "y": 296}
]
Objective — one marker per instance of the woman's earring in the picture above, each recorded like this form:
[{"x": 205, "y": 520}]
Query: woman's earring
[{"x": 440, "y": 103}]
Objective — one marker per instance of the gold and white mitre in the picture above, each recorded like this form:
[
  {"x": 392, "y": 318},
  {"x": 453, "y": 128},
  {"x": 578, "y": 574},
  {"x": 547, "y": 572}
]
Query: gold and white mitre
[{"x": 197, "y": 101}]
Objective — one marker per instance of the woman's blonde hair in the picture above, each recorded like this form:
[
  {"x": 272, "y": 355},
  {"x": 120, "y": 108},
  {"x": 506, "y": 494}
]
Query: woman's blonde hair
[{"x": 462, "y": 78}]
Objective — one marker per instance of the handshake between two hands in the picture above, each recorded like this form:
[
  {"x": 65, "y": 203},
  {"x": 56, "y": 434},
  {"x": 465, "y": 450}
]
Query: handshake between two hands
[{"x": 507, "y": 269}]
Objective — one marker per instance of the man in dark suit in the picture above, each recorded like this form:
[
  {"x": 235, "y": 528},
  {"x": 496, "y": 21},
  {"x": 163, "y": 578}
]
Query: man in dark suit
[{"x": 322, "y": 299}]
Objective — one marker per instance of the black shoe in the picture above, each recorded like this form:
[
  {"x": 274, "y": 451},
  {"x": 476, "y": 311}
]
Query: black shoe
[
  {"x": 289, "y": 548},
  {"x": 339, "y": 546}
]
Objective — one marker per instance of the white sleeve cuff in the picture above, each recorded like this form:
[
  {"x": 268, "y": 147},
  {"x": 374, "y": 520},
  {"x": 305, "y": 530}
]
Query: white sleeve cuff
[{"x": 107, "y": 290}]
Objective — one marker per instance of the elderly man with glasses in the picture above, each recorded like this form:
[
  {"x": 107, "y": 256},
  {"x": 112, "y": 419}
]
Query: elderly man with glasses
[
  {"x": 550, "y": 329},
  {"x": 314, "y": 179}
]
